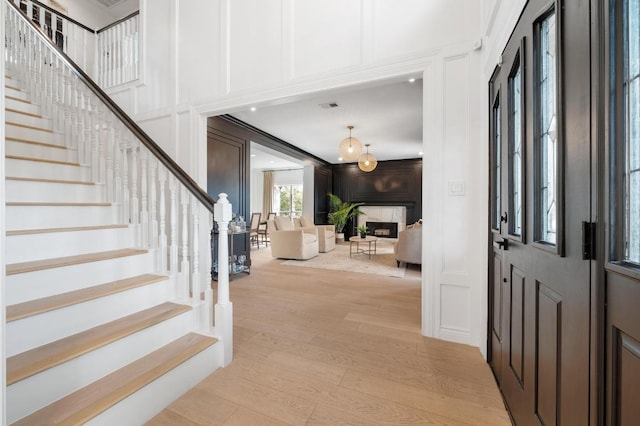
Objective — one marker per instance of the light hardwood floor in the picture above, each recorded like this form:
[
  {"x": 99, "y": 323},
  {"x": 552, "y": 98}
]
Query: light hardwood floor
[{"x": 316, "y": 346}]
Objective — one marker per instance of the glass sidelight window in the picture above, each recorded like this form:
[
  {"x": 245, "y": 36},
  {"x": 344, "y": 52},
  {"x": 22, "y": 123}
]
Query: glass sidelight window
[
  {"x": 547, "y": 132},
  {"x": 631, "y": 153},
  {"x": 496, "y": 172},
  {"x": 516, "y": 128}
]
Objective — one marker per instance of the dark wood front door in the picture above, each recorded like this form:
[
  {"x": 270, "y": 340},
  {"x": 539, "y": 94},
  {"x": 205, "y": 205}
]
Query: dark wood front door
[
  {"x": 541, "y": 198},
  {"x": 621, "y": 212}
]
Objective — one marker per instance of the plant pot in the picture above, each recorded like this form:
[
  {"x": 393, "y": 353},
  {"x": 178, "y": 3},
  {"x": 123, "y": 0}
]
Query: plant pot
[
  {"x": 363, "y": 236},
  {"x": 340, "y": 237}
]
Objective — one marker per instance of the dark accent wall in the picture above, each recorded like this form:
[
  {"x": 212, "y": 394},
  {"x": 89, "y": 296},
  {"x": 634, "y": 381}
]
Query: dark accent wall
[
  {"x": 323, "y": 185},
  {"x": 392, "y": 183},
  {"x": 228, "y": 171}
]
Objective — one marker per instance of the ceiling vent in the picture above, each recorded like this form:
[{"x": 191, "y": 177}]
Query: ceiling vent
[{"x": 329, "y": 105}]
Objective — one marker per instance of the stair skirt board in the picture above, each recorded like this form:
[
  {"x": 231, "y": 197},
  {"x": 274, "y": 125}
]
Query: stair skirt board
[
  {"x": 136, "y": 403},
  {"x": 34, "y": 331},
  {"x": 29, "y": 286},
  {"x": 40, "y": 390}
]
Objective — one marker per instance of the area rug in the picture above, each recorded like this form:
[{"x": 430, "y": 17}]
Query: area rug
[{"x": 381, "y": 263}]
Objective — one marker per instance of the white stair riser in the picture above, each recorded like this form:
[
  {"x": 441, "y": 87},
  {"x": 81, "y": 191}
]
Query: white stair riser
[
  {"x": 38, "y": 330},
  {"x": 30, "y": 150},
  {"x": 34, "y": 285},
  {"x": 157, "y": 395},
  {"x": 35, "y": 135},
  {"x": 22, "y": 106},
  {"x": 10, "y": 91},
  {"x": 39, "y": 217},
  {"x": 28, "y": 247},
  {"x": 29, "y": 120},
  {"x": 39, "y": 169},
  {"x": 53, "y": 192},
  {"x": 42, "y": 389}
]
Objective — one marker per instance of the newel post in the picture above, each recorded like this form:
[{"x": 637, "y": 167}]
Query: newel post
[{"x": 224, "y": 309}]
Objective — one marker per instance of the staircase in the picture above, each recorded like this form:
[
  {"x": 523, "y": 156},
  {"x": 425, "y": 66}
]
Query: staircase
[{"x": 101, "y": 327}]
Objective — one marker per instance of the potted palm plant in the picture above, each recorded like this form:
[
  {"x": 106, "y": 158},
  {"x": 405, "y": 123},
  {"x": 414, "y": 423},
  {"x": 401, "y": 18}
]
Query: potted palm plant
[{"x": 340, "y": 212}]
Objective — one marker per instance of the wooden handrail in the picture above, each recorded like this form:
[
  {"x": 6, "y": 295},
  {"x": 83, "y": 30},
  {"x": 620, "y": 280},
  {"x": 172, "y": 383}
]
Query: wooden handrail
[
  {"x": 146, "y": 140},
  {"x": 119, "y": 21}
]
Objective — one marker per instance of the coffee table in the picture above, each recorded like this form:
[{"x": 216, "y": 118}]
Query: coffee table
[{"x": 358, "y": 240}]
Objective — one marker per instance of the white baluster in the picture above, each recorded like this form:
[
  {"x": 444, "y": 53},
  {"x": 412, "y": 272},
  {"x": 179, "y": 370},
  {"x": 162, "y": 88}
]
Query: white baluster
[
  {"x": 126, "y": 211},
  {"x": 95, "y": 140},
  {"x": 135, "y": 201},
  {"x": 117, "y": 177},
  {"x": 185, "y": 270},
  {"x": 196, "y": 284},
  {"x": 110, "y": 142},
  {"x": 224, "y": 307},
  {"x": 162, "y": 237},
  {"x": 153, "y": 218},
  {"x": 144, "y": 211},
  {"x": 208, "y": 291},
  {"x": 173, "y": 248}
]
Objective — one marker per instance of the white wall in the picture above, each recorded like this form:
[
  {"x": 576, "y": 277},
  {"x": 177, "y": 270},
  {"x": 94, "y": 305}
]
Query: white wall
[{"x": 207, "y": 57}]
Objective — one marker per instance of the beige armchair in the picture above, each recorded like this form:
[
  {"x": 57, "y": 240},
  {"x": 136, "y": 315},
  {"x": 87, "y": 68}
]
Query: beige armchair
[
  {"x": 290, "y": 243},
  {"x": 408, "y": 249},
  {"x": 326, "y": 234}
]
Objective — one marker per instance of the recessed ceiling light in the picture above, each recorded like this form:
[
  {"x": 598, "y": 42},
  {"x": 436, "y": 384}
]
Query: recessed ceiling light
[
  {"x": 253, "y": 155},
  {"x": 420, "y": 153},
  {"x": 271, "y": 162},
  {"x": 253, "y": 108},
  {"x": 412, "y": 80},
  {"x": 340, "y": 159}
]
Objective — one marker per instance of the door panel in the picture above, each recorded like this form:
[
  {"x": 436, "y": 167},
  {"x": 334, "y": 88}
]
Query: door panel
[
  {"x": 548, "y": 354},
  {"x": 544, "y": 374},
  {"x": 516, "y": 328}
]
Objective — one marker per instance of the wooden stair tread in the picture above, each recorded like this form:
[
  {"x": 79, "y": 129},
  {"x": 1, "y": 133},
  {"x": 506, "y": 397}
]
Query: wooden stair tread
[
  {"x": 43, "y": 180},
  {"x": 46, "y": 304},
  {"x": 29, "y": 141},
  {"x": 36, "y": 360},
  {"x": 41, "y": 160},
  {"x": 54, "y": 204},
  {"x": 39, "y": 265},
  {"x": 26, "y": 126},
  {"x": 86, "y": 403},
  {"x": 12, "y": 87},
  {"x": 67, "y": 229},
  {"x": 23, "y": 112},
  {"x": 13, "y": 98}
]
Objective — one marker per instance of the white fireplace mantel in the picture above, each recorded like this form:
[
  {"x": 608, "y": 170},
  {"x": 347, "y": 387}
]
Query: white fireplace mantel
[{"x": 396, "y": 214}]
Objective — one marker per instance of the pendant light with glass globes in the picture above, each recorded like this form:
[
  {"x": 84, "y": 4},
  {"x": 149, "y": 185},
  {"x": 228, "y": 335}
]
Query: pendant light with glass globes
[
  {"x": 350, "y": 148},
  {"x": 367, "y": 162}
]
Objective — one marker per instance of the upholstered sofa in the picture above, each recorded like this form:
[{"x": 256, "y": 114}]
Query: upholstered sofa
[
  {"x": 288, "y": 242},
  {"x": 326, "y": 234},
  {"x": 408, "y": 249}
]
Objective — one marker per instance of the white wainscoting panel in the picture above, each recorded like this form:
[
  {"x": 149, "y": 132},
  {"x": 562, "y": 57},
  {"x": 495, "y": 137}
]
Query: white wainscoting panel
[
  {"x": 255, "y": 43},
  {"x": 455, "y": 313},
  {"x": 316, "y": 27}
]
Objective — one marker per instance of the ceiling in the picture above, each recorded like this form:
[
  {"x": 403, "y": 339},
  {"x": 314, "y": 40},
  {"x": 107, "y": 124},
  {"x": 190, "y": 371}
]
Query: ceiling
[{"x": 388, "y": 116}]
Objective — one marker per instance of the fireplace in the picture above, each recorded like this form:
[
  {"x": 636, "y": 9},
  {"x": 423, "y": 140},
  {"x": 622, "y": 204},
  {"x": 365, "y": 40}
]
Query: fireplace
[
  {"x": 383, "y": 229},
  {"x": 383, "y": 221}
]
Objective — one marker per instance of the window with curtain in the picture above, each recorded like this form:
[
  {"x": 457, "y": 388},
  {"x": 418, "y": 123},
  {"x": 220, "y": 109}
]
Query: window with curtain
[{"x": 287, "y": 200}]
